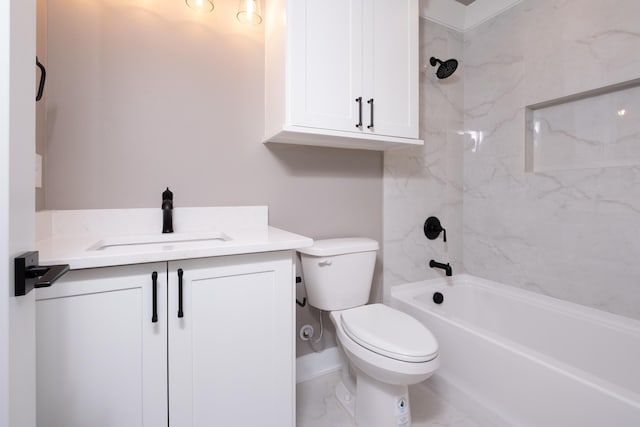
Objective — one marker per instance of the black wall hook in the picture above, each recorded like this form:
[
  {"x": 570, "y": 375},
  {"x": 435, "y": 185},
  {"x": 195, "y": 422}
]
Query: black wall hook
[
  {"x": 433, "y": 228},
  {"x": 43, "y": 77}
]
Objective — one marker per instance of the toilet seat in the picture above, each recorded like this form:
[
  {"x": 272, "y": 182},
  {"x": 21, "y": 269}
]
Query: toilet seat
[
  {"x": 390, "y": 333},
  {"x": 383, "y": 368}
]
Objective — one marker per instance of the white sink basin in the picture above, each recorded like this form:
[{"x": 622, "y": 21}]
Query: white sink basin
[{"x": 174, "y": 239}]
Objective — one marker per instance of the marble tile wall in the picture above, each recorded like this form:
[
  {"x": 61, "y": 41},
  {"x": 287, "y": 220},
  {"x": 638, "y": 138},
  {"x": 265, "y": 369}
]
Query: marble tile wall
[
  {"x": 423, "y": 181},
  {"x": 592, "y": 132},
  {"x": 570, "y": 233}
]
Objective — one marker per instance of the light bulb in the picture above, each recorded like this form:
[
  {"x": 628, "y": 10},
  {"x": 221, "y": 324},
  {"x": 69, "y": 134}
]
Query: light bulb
[
  {"x": 202, "y": 6},
  {"x": 249, "y": 12}
]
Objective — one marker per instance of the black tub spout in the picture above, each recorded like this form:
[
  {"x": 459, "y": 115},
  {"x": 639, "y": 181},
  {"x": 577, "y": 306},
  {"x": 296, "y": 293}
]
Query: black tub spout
[
  {"x": 167, "y": 211},
  {"x": 446, "y": 267}
]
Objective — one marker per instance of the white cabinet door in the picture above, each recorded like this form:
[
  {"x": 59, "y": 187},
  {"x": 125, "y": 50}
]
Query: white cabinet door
[
  {"x": 330, "y": 64},
  {"x": 391, "y": 68},
  {"x": 231, "y": 355},
  {"x": 101, "y": 360},
  {"x": 326, "y": 63}
]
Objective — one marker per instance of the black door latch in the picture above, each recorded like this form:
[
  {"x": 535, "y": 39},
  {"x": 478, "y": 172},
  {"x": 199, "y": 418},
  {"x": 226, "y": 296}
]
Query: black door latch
[{"x": 29, "y": 275}]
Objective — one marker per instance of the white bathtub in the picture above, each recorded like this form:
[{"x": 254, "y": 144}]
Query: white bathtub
[{"x": 528, "y": 359}]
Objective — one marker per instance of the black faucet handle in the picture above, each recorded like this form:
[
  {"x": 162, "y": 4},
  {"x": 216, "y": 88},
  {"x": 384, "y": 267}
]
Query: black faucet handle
[
  {"x": 167, "y": 194},
  {"x": 167, "y": 211}
]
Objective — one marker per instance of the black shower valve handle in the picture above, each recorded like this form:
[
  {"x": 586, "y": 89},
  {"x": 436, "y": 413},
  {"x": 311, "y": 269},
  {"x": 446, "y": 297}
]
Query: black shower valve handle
[{"x": 432, "y": 228}]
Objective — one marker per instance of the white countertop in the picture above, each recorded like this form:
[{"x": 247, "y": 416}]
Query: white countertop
[{"x": 81, "y": 238}]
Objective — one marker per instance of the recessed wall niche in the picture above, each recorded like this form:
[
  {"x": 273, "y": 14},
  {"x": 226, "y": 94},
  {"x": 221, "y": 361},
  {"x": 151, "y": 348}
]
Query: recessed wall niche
[{"x": 595, "y": 129}]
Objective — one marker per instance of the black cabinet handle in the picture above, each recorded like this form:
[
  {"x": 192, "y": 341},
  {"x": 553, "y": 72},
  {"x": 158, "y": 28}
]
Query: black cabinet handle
[
  {"x": 154, "y": 278},
  {"x": 180, "y": 312},
  {"x": 43, "y": 77},
  {"x": 370, "y": 102},
  {"x": 359, "y": 101}
]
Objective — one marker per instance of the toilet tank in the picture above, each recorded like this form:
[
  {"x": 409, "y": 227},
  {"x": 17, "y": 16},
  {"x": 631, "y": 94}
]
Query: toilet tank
[{"x": 338, "y": 272}]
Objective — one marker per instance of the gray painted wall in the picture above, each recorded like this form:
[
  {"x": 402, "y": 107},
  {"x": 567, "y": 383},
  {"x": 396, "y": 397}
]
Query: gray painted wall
[
  {"x": 144, "y": 95},
  {"x": 41, "y": 122}
]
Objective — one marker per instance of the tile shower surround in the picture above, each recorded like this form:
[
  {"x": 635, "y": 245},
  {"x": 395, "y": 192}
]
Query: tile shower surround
[
  {"x": 423, "y": 181},
  {"x": 597, "y": 131},
  {"x": 571, "y": 233}
]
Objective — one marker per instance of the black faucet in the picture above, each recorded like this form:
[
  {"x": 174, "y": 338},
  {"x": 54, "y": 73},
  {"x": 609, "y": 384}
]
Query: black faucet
[
  {"x": 167, "y": 211},
  {"x": 446, "y": 267}
]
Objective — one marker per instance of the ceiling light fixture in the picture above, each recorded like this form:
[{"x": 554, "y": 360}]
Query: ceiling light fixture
[
  {"x": 249, "y": 12},
  {"x": 201, "y": 6}
]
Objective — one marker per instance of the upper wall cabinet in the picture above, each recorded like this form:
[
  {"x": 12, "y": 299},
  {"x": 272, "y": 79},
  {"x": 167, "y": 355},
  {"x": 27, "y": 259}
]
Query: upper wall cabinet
[{"x": 342, "y": 73}]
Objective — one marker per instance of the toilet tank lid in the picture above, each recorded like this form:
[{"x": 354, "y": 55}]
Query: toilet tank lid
[{"x": 346, "y": 245}]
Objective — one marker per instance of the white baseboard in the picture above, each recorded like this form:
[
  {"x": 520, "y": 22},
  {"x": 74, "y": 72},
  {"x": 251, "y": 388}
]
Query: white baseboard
[{"x": 314, "y": 365}]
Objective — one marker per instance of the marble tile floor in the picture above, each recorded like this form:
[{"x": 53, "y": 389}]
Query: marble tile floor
[{"x": 317, "y": 406}]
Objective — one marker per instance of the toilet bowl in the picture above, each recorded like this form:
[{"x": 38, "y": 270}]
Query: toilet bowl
[
  {"x": 385, "y": 363},
  {"x": 383, "y": 350},
  {"x": 391, "y": 347}
]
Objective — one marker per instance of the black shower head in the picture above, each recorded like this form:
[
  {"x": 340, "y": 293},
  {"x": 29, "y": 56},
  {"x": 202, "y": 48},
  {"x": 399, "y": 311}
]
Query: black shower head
[{"x": 446, "y": 68}]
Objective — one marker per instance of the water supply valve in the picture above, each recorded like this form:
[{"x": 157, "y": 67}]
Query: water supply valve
[{"x": 306, "y": 332}]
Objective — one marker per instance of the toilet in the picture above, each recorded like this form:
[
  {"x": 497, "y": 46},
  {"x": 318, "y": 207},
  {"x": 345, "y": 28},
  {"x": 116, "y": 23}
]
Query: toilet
[{"x": 383, "y": 350}]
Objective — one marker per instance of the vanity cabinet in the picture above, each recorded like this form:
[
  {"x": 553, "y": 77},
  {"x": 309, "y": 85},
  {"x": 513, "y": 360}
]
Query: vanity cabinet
[
  {"x": 232, "y": 353},
  {"x": 100, "y": 360},
  {"x": 229, "y": 359},
  {"x": 342, "y": 73}
]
